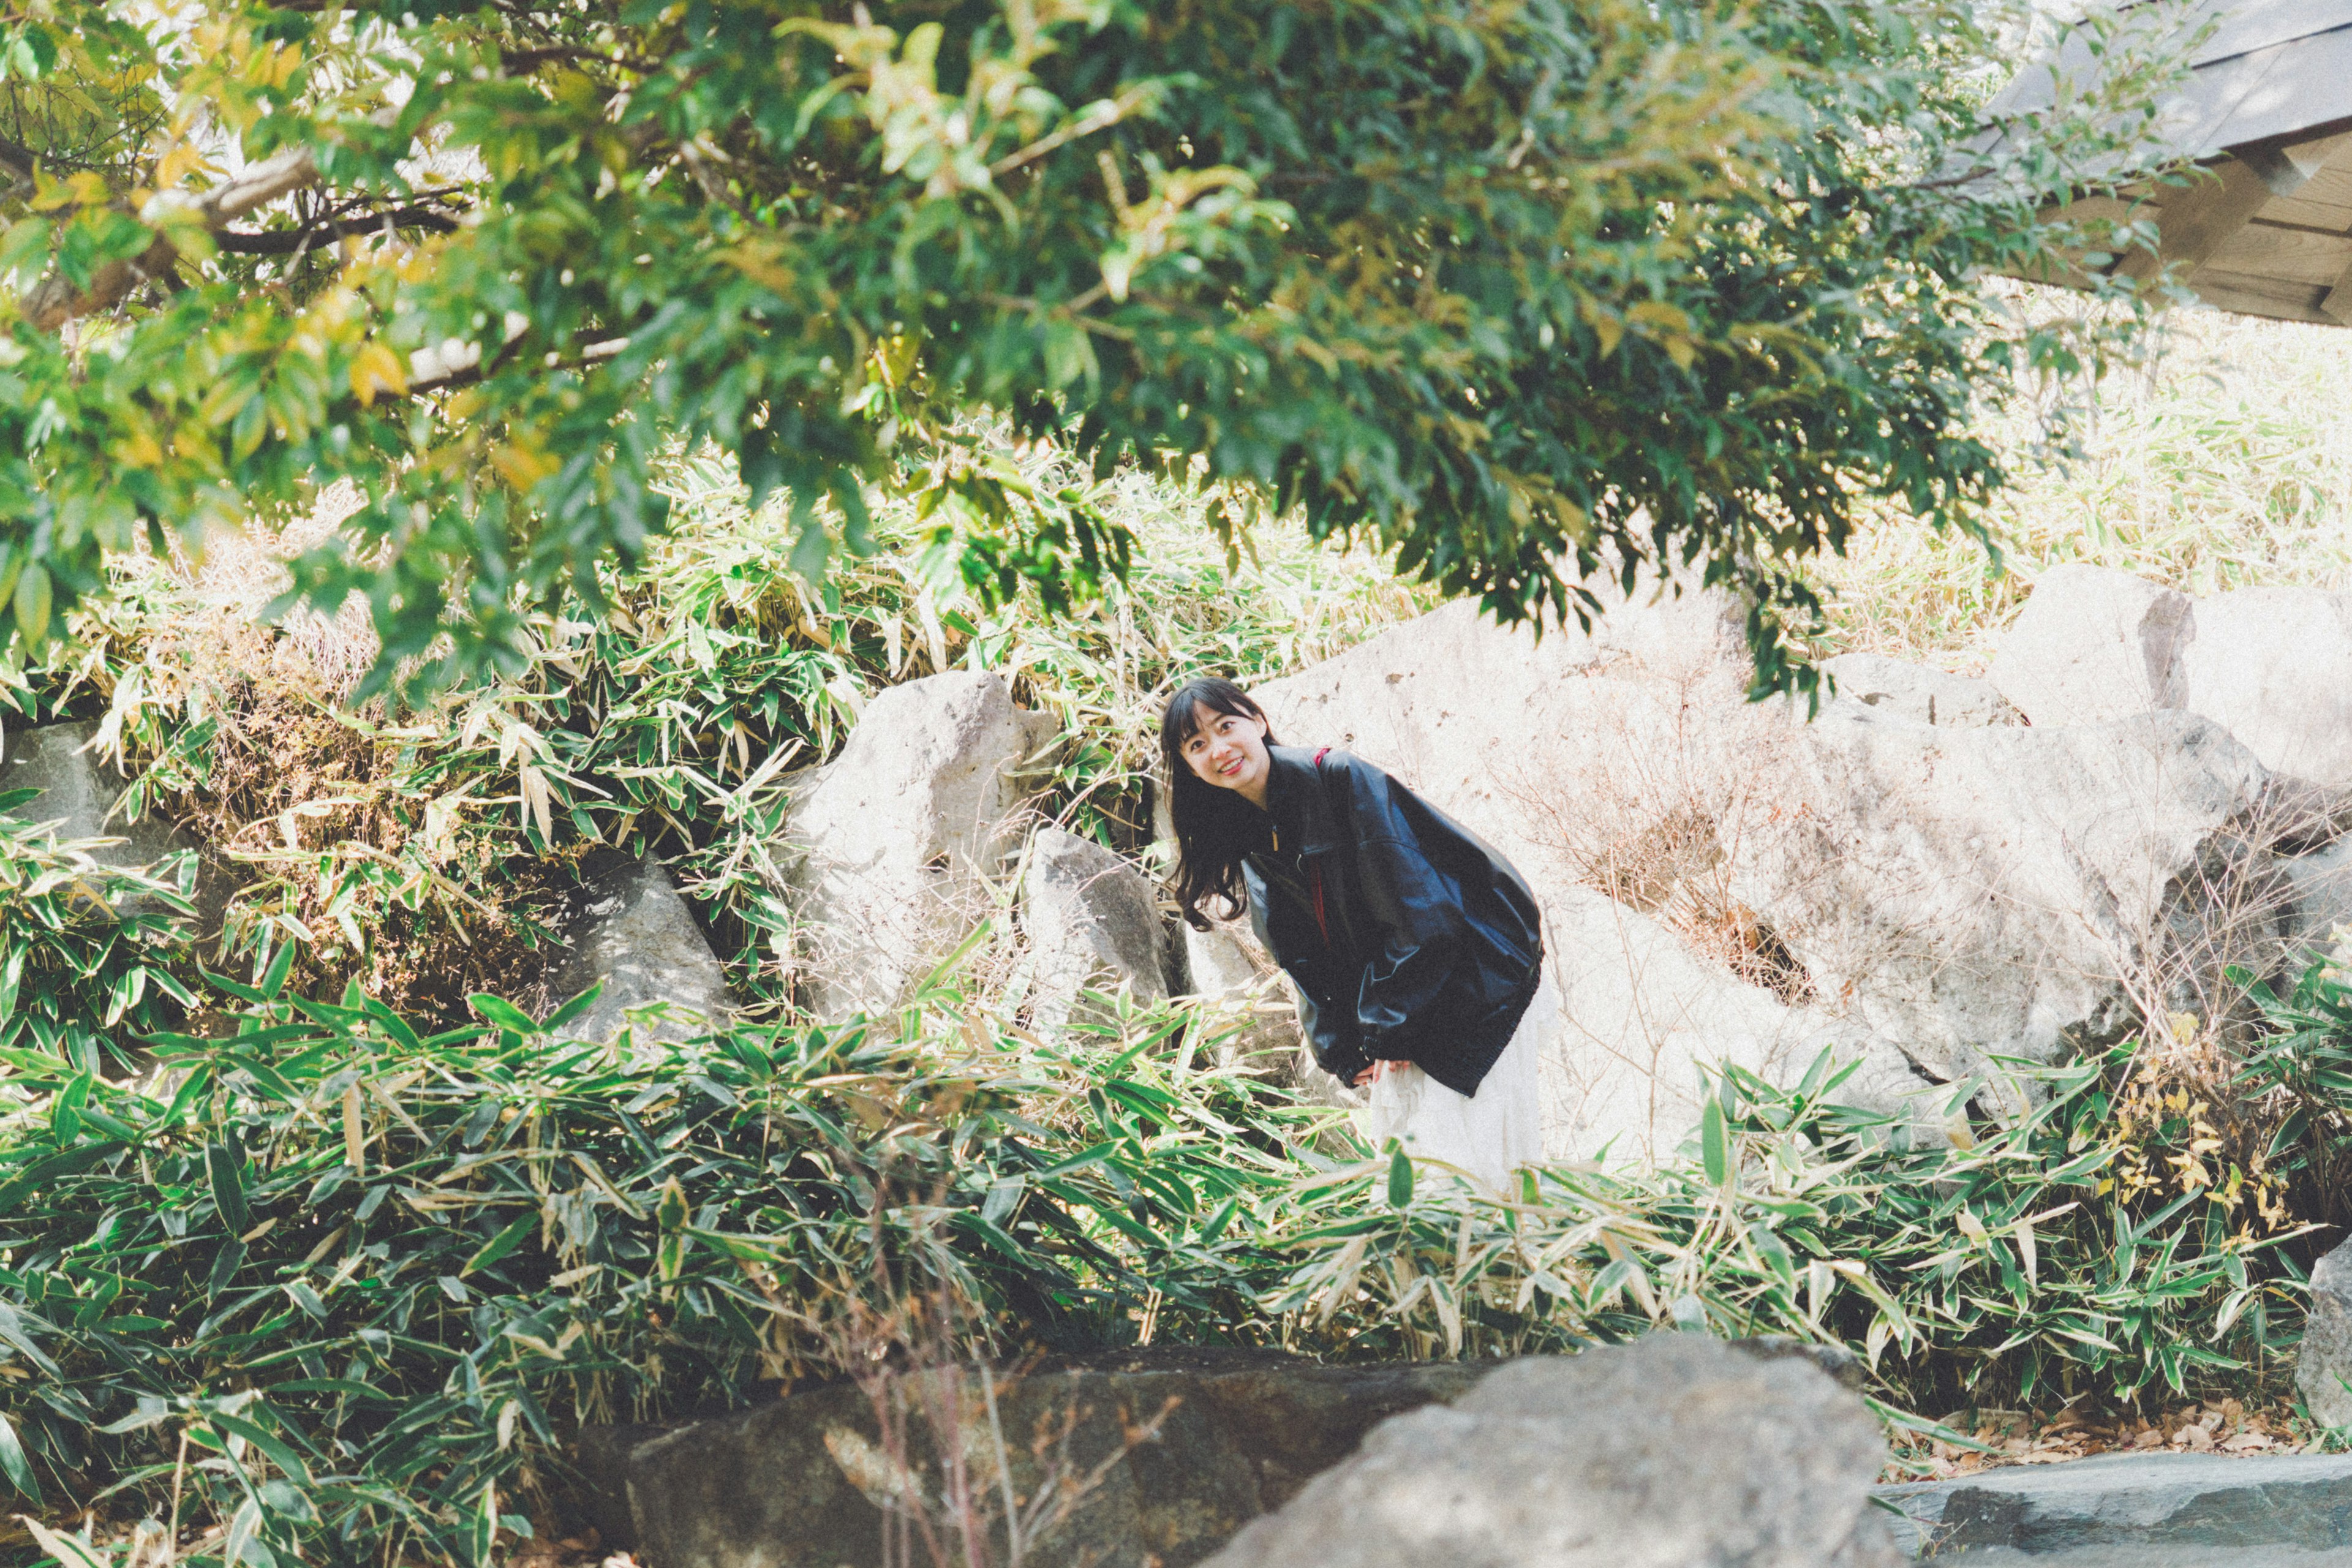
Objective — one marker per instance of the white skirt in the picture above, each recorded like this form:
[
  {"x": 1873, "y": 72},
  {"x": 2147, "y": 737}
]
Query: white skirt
[{"x": 1487, "y": 1135}]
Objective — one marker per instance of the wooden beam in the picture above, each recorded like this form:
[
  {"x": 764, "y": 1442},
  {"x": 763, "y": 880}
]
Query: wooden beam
[
  {"x": 2194, "y": 222},
  {"x": 2337, "y": 302}
]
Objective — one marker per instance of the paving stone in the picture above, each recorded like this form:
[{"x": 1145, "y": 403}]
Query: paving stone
[{"x": 2134, "y": 1502}]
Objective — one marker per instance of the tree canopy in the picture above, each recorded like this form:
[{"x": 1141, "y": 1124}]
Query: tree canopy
[{"x": 1523, "y": 289}]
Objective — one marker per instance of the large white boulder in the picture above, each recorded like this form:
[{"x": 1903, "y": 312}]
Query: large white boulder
[
  {"x": 1675, "y": 1451},
  {"x": 1638, "y": 1019},
  {"x": 2274, "y": 665},
  {"x": 2011, "y": 891},
  {"x": 888, "y": 846},
  {"x": 2093, "y": 643},
  {"x": 1092, "y": 924},
  {"x": 1723, "y": 881},
  {"x": 1897, "y": 688}
]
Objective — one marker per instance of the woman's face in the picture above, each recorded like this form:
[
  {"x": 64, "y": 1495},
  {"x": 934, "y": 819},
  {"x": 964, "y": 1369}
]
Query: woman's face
[{"x": 1228, "y": 750}]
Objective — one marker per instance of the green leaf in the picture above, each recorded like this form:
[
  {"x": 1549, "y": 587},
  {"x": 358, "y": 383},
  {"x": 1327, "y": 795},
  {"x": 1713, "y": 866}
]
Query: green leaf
[
  {"x": 14, "y": 1465},
  {"x": 509, "y": 1237},
  {"x": 224, "y": 1166},
  {"x": 1400, "y": 1178},
  {"x": 1715, "y": 1144},
  {"x": 498, "y": 1010}
]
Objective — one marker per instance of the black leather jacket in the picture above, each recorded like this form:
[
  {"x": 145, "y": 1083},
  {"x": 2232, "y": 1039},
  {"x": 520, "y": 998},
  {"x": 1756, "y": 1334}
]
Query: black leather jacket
[{"x": 1428, "y": 946}]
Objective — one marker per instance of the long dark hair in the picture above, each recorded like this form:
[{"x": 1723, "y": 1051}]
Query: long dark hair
[{"x": 1214, "y": 827}]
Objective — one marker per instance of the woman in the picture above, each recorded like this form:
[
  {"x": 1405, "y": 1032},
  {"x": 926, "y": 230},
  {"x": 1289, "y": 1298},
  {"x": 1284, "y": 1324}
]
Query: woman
[{"x": 1416, "y": 949}]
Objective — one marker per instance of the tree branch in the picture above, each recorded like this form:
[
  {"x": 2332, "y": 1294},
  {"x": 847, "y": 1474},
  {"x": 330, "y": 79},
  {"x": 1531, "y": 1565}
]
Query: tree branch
[
  {"x": 55, "y": 300},
  {"x": 284, "y": 241}
]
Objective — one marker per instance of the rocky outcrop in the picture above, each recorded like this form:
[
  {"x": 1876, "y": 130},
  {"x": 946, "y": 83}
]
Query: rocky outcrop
[
  {"x": 626, "y": 928},
  {"x": 2272, "y": 666},
  {"x": 886, "y": 846},
  {"x": 1225, "y": 966},
  {"x": 2323, "y": 1365},
  {"x": 1723, "y": 881},
  {"x": 1640, "y": 1016},
  {"x": 1896, "y": 688},
  {"x": 1231, "y": 1435},
  {"x": 2321, "y": 900},
  {"x": 78, "y": 792},
  {"x": 1092, "y": 924},
  {"x": 2092, "y": 644},
  {"x": 1675, "y": 1451},
  {"x": 2009, "y": 890}
]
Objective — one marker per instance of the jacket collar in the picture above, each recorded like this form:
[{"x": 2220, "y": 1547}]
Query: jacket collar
[{"x": 1296, "y": 799}]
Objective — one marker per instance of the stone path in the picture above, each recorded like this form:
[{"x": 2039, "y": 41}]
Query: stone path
[{"x": 2140, "y": 1509}]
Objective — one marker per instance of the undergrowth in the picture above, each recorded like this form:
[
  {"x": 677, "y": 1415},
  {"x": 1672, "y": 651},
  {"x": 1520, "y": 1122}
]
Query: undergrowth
[
  {"x": 336, "y": 1289},
  {"x": 416, "y": 852}
]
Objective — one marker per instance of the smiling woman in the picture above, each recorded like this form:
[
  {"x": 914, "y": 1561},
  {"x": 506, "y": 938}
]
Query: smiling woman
[{"x": 1416, "y": 951}]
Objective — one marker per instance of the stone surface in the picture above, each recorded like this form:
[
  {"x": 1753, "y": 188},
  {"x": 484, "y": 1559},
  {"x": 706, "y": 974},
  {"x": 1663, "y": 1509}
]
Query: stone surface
[
  {"x": 2117, "y": 1502},
  {"x": 2323, "y": 1365},
  {"x": 1226, "y": 967},
  {"x": 1092, "y": 924},
  {"x": 794, "y": 1482},
  {"x": 2273, "y": 666},
  {"x": 1894, "y": 688},
  {"x": 1675, "y": 1451},
  {"x": 2093, "y": 644},
  {"x": 1641, "y": 1016},
  {"x": 886, "y": 846},
  {"x": 78, "y": 792},
  {"x": 626, "y": 928},
  {"x": 2011, "y": 890},
  {"x": 2322, "y": 889}
]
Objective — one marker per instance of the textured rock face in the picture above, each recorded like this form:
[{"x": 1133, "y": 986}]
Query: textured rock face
[
  {"x": 886, "y": 844},
  {"x": 1892, "y": 687},
  {"x": 1226, "y": 966},
  {"x": 1240, "y": 1433},
  {"x": 2003, "y": 890},
  {"x": 78, "y": 791},
  {"x": 1092, "y": 924},
  {"x": 2321, "y": 883},
  {"x": 2137, "y": 1506},
  {"x": 1641, "y": 1014},
  {"x": 2323, "y": 1366},
  {"x": 1674, "y": 1452},
  {"x": 2273, "y": 666},
  {"x": 2093, "y": 644},
  {"x": 626, "y": 928}
]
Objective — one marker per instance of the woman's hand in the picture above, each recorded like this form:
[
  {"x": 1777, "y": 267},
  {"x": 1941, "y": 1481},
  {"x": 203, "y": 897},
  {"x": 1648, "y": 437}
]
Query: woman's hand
[{"x": 1379, "y": 1069}]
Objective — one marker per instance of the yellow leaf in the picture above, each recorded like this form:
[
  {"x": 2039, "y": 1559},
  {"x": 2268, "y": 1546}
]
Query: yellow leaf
[
  {"x": 376, "y": 368},
  {"x": 139, "y": 451},
  {"x": 523, "y": 464}
]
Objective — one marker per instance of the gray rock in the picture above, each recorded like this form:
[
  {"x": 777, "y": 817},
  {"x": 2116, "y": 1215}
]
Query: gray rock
[
  {"x": 1642, "y": 1017},
  {"x": 1893, "y": 688},
  {"x": 2140, "y": 1501},
  {"x": 2013, "y": 891},
  {"x": 1674, "y": 1452},
  {"x": 2273, "y": 666},
  {"x": 626, "y": 928},
  {"x": 798, "y": 1480},
  {"x": 80, "y": 792},
  {"x": 1225, "y": 968},
  {"x": 2322, "y": 898},
  {"x": 2093, "y": 644},
  {"x": 1092, "y": 924},
  {"x": 2323, "y": 1365},
  {"x": 888, "y": 846}
]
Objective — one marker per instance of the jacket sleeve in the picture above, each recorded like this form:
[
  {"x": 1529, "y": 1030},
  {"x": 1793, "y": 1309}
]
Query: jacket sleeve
[{"x": 1416, "y": 913}]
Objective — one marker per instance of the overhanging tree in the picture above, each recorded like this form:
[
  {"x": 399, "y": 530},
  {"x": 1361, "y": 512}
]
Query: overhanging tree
[{"x": 1522, "y": 289}]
